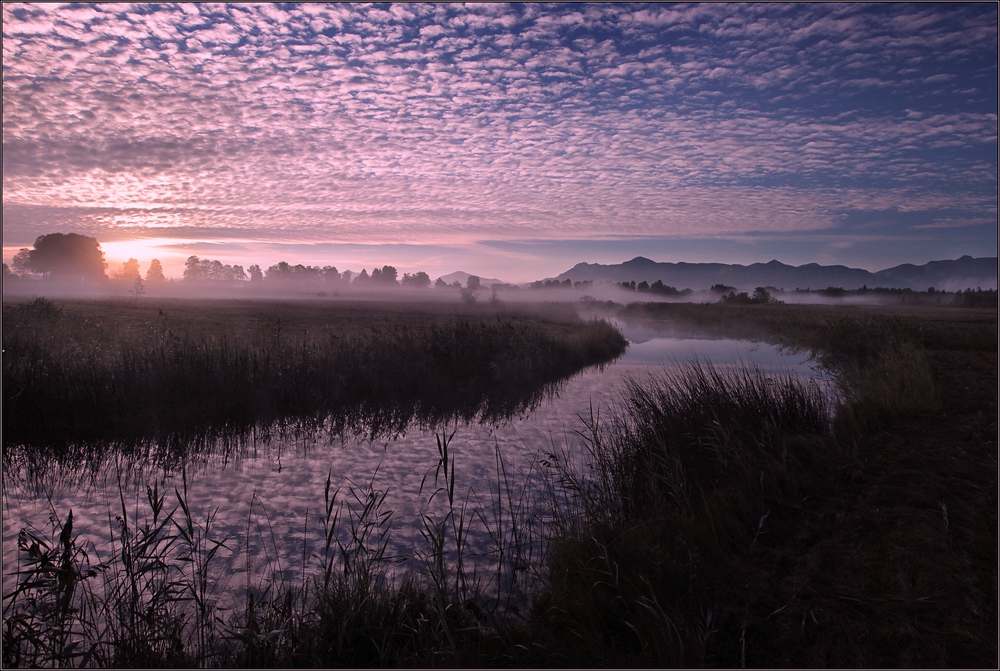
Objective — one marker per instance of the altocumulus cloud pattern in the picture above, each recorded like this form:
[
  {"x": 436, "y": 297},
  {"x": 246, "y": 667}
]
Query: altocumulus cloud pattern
[{"x": 450, "y": 124}]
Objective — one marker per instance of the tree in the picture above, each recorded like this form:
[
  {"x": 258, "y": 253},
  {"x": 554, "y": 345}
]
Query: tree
[
  {"x": 130, "y": 270},
  {"x": 255, "y": 274},
  {"x": 330, "y": 275},
  {"x": 193, "y": 269},
  {"x": 440, "y": 284},
  {"x": 362, "y": 277},
  {"x": 68, "y": 256},
  {"x": 21, "y": 263},
  {"x": 205, "y": 269},
  {"x": 155, "y": 272},
  {"x": 472, "y": 286},
  {"x": 762, "y": 295},
  {"x": 137, "y": 289},
  {"x": 389, "y": 274},
  {"x": 468, "y": 295},
  {"x": 419, "y": 280}
]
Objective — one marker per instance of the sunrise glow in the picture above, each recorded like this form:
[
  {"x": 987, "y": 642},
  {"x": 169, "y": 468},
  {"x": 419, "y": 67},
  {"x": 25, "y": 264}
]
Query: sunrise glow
[{"x": 513, "y": 140}]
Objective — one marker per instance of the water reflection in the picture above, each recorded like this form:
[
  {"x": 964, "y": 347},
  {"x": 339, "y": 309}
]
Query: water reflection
[{"x": 266, "y": 487}]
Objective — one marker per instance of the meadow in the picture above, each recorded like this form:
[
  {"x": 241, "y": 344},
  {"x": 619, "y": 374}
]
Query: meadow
[{"x": 722, "y": 519}]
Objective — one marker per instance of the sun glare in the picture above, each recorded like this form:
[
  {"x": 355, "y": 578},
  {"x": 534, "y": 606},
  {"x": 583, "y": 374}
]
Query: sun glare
[{"x": 145, "y": 250}]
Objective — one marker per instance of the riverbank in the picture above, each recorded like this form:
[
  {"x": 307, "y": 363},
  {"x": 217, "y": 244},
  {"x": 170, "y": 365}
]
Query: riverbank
[
  {"x": 78, "y": 371},
  {"x": 868, "y": 541},
  {"x": 882, "y": 550}
]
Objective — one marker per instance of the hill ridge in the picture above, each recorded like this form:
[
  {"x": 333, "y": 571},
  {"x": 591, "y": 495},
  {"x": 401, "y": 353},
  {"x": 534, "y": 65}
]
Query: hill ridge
[{"x": 966, "y": 272}]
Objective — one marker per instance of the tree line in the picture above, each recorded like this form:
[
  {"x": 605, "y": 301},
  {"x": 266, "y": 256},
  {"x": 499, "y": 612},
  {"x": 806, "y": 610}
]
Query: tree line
[{"x": 79, "y": 258}]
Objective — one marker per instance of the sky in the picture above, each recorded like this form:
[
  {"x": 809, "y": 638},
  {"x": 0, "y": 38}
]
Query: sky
[{"x": 511, "y": 141}]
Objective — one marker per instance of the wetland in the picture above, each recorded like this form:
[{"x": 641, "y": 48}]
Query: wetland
[{"x": 327, "y": 483}]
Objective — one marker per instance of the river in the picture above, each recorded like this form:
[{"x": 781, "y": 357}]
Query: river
[{"x": 267, "y": 497}]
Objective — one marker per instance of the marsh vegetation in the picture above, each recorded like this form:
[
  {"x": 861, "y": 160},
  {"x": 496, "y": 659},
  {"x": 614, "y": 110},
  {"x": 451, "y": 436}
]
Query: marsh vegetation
[
  {"x": 720, "y": 517},
  {"x": 90, "y": 371}
]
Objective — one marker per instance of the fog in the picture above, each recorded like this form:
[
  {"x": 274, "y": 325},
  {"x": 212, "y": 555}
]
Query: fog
[{"x": 15, "y": 287}]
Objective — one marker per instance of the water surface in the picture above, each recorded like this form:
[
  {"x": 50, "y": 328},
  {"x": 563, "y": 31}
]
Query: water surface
[{"x": 267, "y": 496}]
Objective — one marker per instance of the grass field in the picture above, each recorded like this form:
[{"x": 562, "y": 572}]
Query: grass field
[{"x": 731, "y": 520}]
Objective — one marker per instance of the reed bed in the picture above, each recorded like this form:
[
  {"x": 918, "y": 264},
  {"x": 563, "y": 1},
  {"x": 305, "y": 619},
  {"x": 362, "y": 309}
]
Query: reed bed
[
  {"x": 68, "y": 378},
  {"x": 681, "y": 475},
  {"x": 879, "y": 361}
]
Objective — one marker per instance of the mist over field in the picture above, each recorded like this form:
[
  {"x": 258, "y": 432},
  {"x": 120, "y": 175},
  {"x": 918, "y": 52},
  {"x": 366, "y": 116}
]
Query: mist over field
[{"x": 637, "y": 280}]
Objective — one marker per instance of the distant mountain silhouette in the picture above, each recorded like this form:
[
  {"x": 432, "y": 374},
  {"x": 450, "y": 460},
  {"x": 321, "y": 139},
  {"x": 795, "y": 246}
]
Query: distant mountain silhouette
[
  {"x": 461, "y": 276},
  {"x": 963, "y": 273}
]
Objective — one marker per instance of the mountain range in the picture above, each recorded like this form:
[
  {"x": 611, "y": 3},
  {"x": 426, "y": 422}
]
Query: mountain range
[
  {"x": 963, "y": 273},
  {"x": 462, "y": 277}
]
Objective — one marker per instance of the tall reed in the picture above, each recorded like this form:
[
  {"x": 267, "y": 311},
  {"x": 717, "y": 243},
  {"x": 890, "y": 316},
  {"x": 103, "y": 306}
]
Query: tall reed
[
  {"x": 68, "y": 379},
  {"x": 682, "y": 471},
  {"x": 162, "y": 597}
]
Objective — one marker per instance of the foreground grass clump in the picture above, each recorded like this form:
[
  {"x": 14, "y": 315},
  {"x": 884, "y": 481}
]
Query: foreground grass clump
[
  {"x": 682, "y": 473},
  {"x": 80, "y": 371},
  {"x": 742, "y": 532},
  {"x": 164, "y": 595}
]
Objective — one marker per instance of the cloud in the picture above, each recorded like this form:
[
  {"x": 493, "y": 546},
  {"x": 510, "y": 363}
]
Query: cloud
[{"x": 425, "y": 123}]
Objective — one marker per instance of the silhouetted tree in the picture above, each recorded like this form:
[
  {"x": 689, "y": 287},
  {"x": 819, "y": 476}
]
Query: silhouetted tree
[
  {"x": 204, "y": 269},
  {"x": 330, "y": 275},
  {"x": 389, "y": 275},
  {"x": 21, "y": 263},
  {"x": 440, "y": 284},
  {"x": 468, "y": 295},
  {"x": 762, "y": 295},
  {"x": 193, "y": 269},
  {"x": 137, "y": 289},
  {"x": 279, "y": 271},
  {"x": 155, "y": 272},
  {"x": 419, "y": 279},
  {"x": 472, "y": 286},
  {"x": 130, "y": 270},
  {"x": 362, "y": 277},
  {"x": 68, "y": 256},
  {"x": 255, "y": 274}
]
